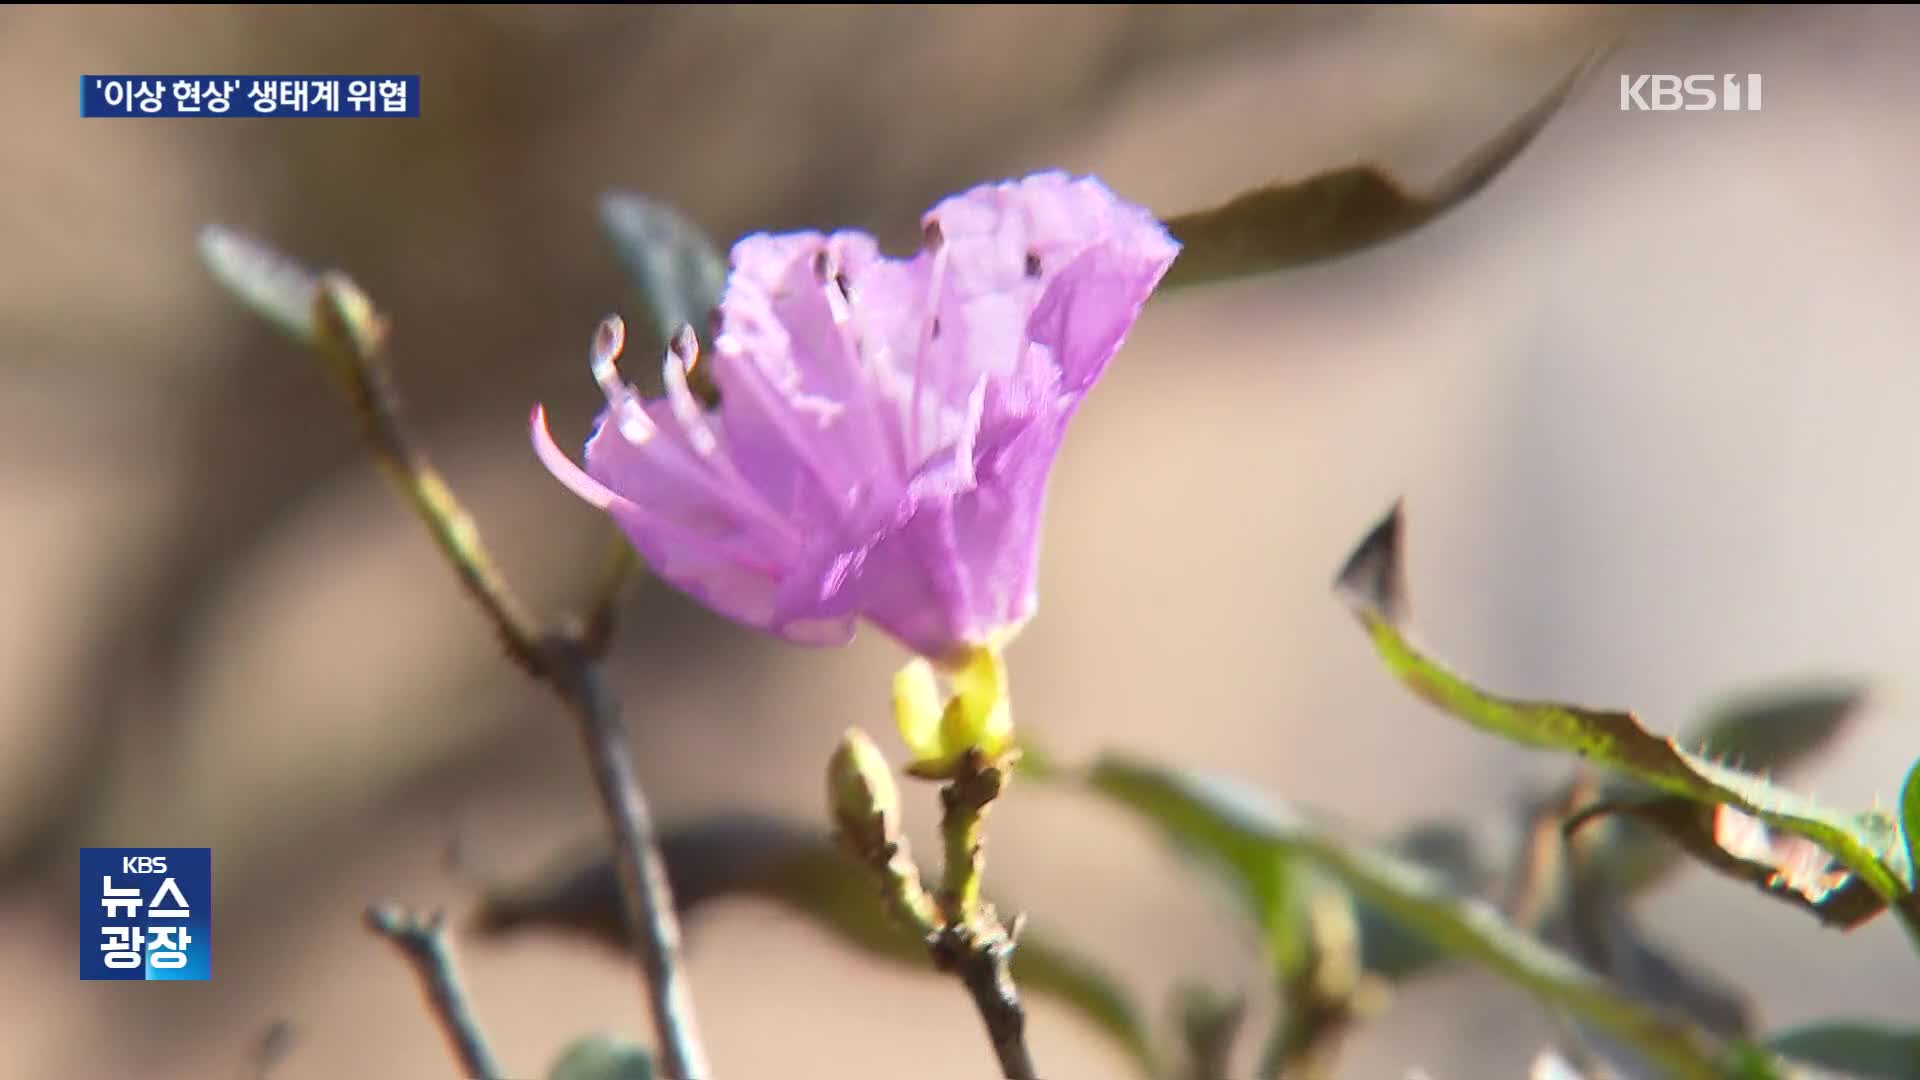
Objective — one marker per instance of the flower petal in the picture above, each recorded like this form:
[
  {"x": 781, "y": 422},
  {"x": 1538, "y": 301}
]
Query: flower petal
[
  {"x": 686, "y": 537},
  {"x": 888, "y": 426},
  {"x": 997, "y": 526},
  {"x": 1050, "y": 259},
  {"x": 1087, "y": 311},
  {"x": 901, "y": 566},
  {"x": 786, "y": 345}
]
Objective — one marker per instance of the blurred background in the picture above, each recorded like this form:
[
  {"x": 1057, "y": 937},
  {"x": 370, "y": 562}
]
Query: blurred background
[{"x": 1650, "y": 398}]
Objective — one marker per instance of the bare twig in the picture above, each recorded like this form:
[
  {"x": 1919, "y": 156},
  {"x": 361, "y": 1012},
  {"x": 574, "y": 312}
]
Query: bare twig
[
  {"x": 350, "y": 336},
  {"x": 982, "y": 955},
  {"x": 603, "y": 606},
  {"x": 1538, "y": 880},
  {"x": 645, "y": 893},
  {"x": 332, "y": 316},
  {"x": 422, "y": 939}
]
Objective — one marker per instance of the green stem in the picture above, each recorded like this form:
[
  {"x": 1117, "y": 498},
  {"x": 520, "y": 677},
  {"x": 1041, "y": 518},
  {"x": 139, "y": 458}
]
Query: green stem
[
  {"x": 974, "y": 943},
  {"x": 963, "y": 935},
  {"x": 962, "y": 832}
]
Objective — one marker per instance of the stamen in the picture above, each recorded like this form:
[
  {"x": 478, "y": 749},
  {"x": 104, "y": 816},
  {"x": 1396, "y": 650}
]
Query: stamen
[
  {"x": 686, "y": 346},
  {"x": 936, "y": 242},
  {"x": 697, "y": 455},
  {"x": 683, "y": 352},
  {"x": 861, "y": 379},
  {"x": 830, "y": 279},
  {"x": 609, "y": 340},
  {"x": 604, "y": 355}
]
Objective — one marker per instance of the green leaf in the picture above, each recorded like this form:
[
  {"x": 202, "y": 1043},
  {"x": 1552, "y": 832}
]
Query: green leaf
[
  {"x": 679, "y": 270},
  {"x": 1209, "y": 1024},
  {"x": 1265, "y": 880},
  {"x": 277, "y": 288},
  {"x": 1593, "y": 926},
  {"x": 603, "y": 1057},
  {"x": 1330, "y": 993},
  {"x": 1571, "y": 905},
  {"x": 1648, "y": 971},
  {"x": 1285, "y": 225},
  {"x": 1752, "y": 1061},
  {"x": 800, "y": 869},
  {"x": 1387, "y": 947},
  {"x": 1864, "y": 1051},
  {"x": 1910, "y": 819},
  {"x": 1774, "y": 729},
  {"x": 1769, "y": 731},
  {"x": 1785, "y": 867},
  {"x": 1245, "y": 822},
  {"x": 1373, "y": 585}
]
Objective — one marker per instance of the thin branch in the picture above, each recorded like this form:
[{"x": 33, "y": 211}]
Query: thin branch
[
  {"x": 350, "y": 336},
  {"x": 1537, "y": 882},
  {"x": 603, "y": 607},
  {"x": 645, "y": 894},
  {"x": 332, "y": 316},
  {"x": 422, "y": 940},
  {"x": 982, "y": 955}
]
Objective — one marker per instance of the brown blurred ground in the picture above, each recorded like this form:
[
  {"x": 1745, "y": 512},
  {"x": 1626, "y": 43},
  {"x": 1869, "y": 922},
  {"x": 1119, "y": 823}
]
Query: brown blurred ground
[{"x": 1651, "y": 398}]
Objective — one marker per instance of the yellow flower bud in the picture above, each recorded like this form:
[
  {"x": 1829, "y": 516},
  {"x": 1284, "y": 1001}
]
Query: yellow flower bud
[{"x": 976, "y": 716}]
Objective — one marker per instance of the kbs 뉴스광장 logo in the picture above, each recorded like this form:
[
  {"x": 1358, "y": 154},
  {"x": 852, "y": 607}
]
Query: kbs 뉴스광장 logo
[{"x": 146, "y": 913}]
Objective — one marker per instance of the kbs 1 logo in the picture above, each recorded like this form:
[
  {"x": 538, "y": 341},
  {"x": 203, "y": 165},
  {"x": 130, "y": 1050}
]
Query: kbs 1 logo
[
  {"x": 146, "y": 913},
  {"x": 1689, "y": 93}
]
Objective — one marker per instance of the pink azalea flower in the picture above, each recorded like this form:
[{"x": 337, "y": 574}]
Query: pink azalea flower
[{"x": 886, "y": 426}]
